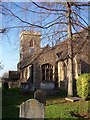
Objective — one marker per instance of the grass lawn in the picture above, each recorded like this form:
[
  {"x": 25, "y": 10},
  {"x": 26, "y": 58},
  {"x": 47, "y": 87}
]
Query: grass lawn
[
  {"x": 56, "y": 106},
  {"x": 70, "y": 110}
]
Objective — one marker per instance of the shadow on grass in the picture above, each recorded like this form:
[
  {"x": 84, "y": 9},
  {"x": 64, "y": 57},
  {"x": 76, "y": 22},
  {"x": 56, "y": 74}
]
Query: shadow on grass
[
  {"x": 11, "y": 99},
  {"x": 10, "y": 112},
  {"x": 59, "y": 94}
]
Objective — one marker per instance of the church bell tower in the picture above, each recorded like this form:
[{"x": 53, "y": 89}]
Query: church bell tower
[{"x": 29, "y": 43}]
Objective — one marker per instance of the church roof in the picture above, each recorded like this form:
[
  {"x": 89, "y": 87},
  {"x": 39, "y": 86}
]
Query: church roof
[
  {"x": 80, "y": 40},
  {"x": 80, "y": 44},
  {"x": 34, "y": 56}
]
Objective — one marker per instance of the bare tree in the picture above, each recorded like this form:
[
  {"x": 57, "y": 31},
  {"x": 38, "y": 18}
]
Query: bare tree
[
  {"x": 1, "y": 66},
  {"x": 50, "y": 18},
  {"x": 56, "y": 21},
  {"x": 5, "y": 75}
]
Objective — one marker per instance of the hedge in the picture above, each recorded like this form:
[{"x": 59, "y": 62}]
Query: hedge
[{"x": 83, "y": 86}]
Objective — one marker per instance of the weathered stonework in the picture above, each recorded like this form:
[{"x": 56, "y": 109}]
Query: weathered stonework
[
  {"x": 51, "y": 62},
  {"x": 32, "y": 109},
  {"x": 25, "y": 49}
]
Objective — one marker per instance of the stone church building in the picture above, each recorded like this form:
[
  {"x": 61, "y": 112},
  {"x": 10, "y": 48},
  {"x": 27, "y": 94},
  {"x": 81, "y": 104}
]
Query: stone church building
[{"x": 50, "y": 64}]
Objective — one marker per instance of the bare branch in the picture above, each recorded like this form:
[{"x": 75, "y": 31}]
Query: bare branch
[
  {"x": 83, "y": 4},
  {"x": 2, "y": 30},
  {"x": 80, "y": 17},
  {"x": 35, "y": 25},
  {"x": 76, "y": 30},
  {"x": 33, "y": 11},
  {"x": 48, "y": 8},
  {"x": 59, "y": 39}
]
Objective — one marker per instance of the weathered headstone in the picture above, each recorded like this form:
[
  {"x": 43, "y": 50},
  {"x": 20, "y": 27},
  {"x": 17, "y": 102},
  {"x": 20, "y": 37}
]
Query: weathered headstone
[
  {"x": 47, "y": 85},
  {"x": 40, "y": 96},
  {"x": 32, "y": 109},
  {"x": 25, "y": 87}
]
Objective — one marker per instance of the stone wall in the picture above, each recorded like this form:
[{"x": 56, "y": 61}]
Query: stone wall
[
  {"x": 25, "y": 38},
  {"x": 47, "y": 56}
]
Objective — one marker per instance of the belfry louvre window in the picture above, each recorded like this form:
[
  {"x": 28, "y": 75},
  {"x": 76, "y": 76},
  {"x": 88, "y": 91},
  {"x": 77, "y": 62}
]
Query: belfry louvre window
[
  {"x": 31, "y": 43},
  {"x": 47, "y": 72}
]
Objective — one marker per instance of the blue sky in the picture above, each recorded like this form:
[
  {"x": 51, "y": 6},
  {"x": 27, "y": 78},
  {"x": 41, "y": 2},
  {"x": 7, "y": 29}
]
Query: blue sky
[
  {"x": 9, "y": 54},
  {"x": 9, "y": 41}
]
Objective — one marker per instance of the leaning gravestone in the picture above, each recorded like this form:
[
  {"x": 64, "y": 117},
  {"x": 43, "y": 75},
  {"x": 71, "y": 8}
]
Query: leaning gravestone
[{"x": 32, "y": 109}]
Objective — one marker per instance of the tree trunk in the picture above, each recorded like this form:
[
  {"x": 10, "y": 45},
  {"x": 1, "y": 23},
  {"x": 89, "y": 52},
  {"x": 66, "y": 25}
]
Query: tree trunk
[{"x": 70, "y": 54}]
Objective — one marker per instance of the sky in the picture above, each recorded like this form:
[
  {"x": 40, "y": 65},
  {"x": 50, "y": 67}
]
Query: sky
[{"x": 10, "y": 40}]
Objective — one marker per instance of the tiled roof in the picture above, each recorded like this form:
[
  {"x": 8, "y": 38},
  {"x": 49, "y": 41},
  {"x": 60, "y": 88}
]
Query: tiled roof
[
  {"x": 79, "y": 41},
  {"x": 34, "y": 56}
]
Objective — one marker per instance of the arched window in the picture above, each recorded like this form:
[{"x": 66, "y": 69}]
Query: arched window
[
  {"x": 31, "y": 43},
  {"x": 47, "y": 72}
]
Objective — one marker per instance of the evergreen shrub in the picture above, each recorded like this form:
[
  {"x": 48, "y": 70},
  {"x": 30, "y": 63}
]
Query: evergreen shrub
[{"x": 83, "y": 86}]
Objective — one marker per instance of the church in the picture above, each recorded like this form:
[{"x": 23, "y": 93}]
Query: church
[{"x": 50, "y": 64}]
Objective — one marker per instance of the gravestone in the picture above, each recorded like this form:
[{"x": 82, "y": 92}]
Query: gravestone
[
  {"x": 32, "y": 109},
  {"x": 40, "y": 96},
  {"x": 50, "y": 85},
  {"x": 25, "y": 87}
]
